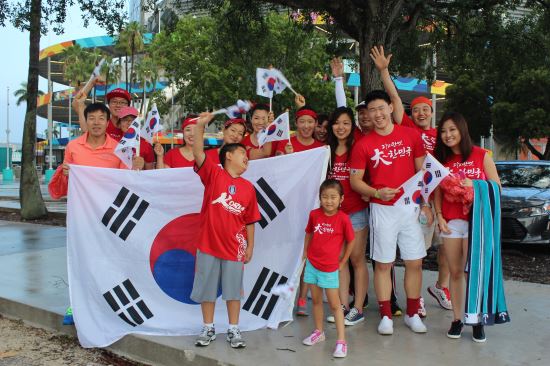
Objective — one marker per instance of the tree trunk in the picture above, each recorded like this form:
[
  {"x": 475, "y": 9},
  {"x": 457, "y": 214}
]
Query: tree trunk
[
  {"x": 534, "y": 151},
  {"x": 546, "y": 155},
  {"x": 370, "y": 78},
  {"x": 32, "y": 203},
  {"x": 126, "y": 72}
]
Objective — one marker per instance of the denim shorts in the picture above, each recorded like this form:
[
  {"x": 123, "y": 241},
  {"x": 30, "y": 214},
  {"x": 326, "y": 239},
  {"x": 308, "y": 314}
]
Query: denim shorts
[
  {"x": 360, "y": 219},
  {"x": 313, "y": 276}
]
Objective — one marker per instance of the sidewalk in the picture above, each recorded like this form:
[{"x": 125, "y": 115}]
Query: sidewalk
[
  {"x": 33, "y": 286},
  {"x": 9, "y": 197}
]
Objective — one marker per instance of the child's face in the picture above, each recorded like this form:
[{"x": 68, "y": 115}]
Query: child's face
[
  {"x": 331, "y": 200},
  {"x": 238, "y": 160}
]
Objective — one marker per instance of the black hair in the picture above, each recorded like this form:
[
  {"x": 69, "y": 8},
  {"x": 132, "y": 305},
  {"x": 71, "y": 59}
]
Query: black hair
[
  {"x": 375, "y": 95},
  {"x": 229, "y": 148},
  {"x": 322, "y": 117},
  {"x": 97, "y": 107},
  {"x": 442, "y": 152},
  {"x": 258, "y": 107},
  {"x": 332, "y": 139},
  {"x": 331, "y": 183}
]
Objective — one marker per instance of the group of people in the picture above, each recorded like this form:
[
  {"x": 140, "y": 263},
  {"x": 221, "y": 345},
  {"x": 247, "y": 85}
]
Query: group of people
[{"x": 369, "y": 161}]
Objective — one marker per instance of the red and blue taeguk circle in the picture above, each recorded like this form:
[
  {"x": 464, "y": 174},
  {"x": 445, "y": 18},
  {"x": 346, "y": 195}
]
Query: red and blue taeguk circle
[
  {"x": 417, "y": 197},
  {"x": 172, "y": 257},
  {"x": 271, "y": 83},
  {"x": 271, "y": 129},
  {"x": 427, "y": 178},
  {"x": 130, "y": 133},
  {"x": 152, "y": 122}
]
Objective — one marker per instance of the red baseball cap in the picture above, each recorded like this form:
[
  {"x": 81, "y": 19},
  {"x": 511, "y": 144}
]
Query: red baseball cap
[
  {"x": 128, "y": 111},
  {"x": 120, "y": 93},
  {"x": 419, "y": 100}
]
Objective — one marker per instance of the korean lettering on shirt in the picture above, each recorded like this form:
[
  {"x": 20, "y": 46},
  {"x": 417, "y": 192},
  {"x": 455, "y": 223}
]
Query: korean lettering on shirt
[
  {"x": 390, "y": 151},
  {"x": 468, "y": 169},
  {"x": 323, "y": 228},
  {"x": 428, "y": 141}
]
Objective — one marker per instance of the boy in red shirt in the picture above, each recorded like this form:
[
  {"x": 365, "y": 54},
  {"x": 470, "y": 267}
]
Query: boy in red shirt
[
  {"x": 226, "y": 239},
  {"x": 391, "y": 154}
]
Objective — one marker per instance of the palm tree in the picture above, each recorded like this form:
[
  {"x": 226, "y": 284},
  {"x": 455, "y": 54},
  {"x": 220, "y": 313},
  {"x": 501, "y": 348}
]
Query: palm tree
[
  {"x": 78, "y": 64},
  {"x": 21, "y": 94},
  {"x": 130, "y": 40}
]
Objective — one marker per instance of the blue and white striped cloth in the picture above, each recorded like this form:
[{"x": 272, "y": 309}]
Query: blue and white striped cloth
[{"x": 485, "y": 301}]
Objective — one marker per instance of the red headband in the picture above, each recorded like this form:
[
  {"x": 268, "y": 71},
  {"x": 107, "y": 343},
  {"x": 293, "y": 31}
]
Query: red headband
[
  {"x": 233, "y": 121},
  {"x": 419, "y": 100},
  {"x": 306, "y": 112},
  {"x": 188, "y": 122}
]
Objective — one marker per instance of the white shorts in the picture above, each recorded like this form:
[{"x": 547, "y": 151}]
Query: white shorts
[
  {"x": 459, "y": 229},
  {"x": 395, "y": 225}
]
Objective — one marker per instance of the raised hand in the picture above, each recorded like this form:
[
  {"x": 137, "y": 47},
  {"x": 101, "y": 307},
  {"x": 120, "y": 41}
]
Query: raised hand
[
  {"x": 380, "y": 60},
  {"x": 337, "y": 67}
]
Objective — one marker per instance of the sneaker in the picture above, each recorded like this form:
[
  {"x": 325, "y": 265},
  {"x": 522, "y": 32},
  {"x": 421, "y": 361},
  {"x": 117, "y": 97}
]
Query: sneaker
[
  {"x": 386, "y": 326},
  {"x": 422, "y": 309},
  {"x": 235, "y": 338},
  {"x": 456, "y": 329},
  {"x": 207, "y": 335},
  {"x": 68, "y": 317},
  {"x": 314, "y": 338},
  {"x": 302, "y": 307},
  {"x": 478, "y": 334},
  {"x": 341, "y": 349},
  {"x": 395, "y": 309},
  {"x": 442, "y": 295},
  {"x": 353, "y": 317},
  {"x": 415, "y": 323},
  {"x": 331, "y": 319}
]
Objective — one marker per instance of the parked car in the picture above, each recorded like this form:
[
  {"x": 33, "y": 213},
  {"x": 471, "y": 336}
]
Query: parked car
[{"x": 525, "y": 201}]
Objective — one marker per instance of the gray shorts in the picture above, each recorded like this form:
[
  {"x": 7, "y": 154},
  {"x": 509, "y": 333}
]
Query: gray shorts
[
  {"x": 360, "y": 219},
  {"x": 210, "y": 272}
]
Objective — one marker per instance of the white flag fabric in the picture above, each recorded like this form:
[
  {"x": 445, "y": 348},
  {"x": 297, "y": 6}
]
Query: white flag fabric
[
  {"x": 269, "y": 81},
  {"x": 125, "y": 148},
  {"x": 434, "y": 173},
  {"x": 237, "y": 110},
  {"x": 152, "y": 124},
  {"x": 278, "y": 130},
  {"x": 131, "y": 246},
  {"x": 412, "y": 191}
]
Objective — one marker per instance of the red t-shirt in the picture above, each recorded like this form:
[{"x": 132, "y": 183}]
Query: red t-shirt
[
  {"x": 213, "y": 155},
  {"x": 229, "y": 204},
  {"x": 247, "y": 142},
  {"x": 389, "y": 160},
  {"x": 298, "y": 146},
  {"x": 328, "y": 235},
  {"x": 114, "y": 131},
  {"x": 428, "y": 136},
  {"x": 175, "y": 159},
  {"x": 472, "y": 168},
  {"x": 357, "y": 134},
  {"x": 340, "y": 171}
]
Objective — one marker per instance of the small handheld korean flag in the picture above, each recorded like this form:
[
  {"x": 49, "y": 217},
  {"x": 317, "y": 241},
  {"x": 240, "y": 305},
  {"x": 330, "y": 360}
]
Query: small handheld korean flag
[
  {"x": 412, "y": 191},
  {"x": 130, "y": 140},
  {"x": 278, "y": 130},
  {"x": 266, "y": 81},
  {"x": 282, "y": 82},
  {"x": 434, "y": 173},
  {"x": 237, "y": 110},
  {"x": 152, "y": 124}
]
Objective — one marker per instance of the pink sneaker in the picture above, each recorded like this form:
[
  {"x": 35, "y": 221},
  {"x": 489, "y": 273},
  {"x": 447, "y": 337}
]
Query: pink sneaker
[
  {"x": 341, "y": 349},
  {"x": 315, "y": 337}
]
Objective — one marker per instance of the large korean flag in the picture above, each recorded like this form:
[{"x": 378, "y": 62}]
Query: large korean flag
[{"x": 131, "y": 243}]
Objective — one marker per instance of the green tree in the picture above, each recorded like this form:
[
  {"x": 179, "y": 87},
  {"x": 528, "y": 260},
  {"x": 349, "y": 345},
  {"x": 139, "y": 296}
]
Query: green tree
[
  {"x": 130, "y": 40},
  {"x": 21, "y": 94},
  {"x": 35, "y": 17},
  {"x": 77, "y": 65}
]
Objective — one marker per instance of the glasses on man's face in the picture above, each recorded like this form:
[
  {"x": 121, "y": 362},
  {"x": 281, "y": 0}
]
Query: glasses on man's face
[{"x": 122, "y": 103}]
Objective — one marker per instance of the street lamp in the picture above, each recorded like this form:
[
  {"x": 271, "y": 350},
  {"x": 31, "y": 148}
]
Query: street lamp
[{"x": 7, "y": 173}]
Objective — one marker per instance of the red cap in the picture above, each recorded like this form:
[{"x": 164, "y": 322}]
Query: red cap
[
  {"x": 189, "y": 121},
  {"x": 128, "y": 111},
  {"x": 419, "y": 100},
  {"x": 120, "y": 93},
  {"x": 306, "y": 112},
  {"x": 233, "y": 121}
]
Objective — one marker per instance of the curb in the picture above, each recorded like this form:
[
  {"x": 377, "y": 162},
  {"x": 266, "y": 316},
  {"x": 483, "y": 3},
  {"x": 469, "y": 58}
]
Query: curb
[{"x": 131, "y": 347}]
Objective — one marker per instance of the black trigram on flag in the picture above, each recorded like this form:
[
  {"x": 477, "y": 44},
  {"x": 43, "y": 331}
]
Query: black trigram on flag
[
  {"x": 407, "y": 200},
  {"x": 428, "y": 165},
  {"x": 266, "y": 206},
  {"x": 128, "y": 214},
  {"x": 438, "y": 173},
  {"x": 126, "y": 303},
  {"x": 260, "y": 294},
  {"x": 280, "y": 133}
]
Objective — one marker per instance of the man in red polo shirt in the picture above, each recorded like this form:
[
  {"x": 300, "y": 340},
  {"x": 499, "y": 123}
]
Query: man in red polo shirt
[
  {"x": 391, "y": 154},
  {"x": 421, "y": 108}
]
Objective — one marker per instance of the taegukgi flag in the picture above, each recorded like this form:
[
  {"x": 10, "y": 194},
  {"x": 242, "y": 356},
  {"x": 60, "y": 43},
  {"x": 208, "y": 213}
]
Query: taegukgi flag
[
  {"x": 277, "y": 130},
  {"x": 125, "y": 148},
  {"x": 434, "y": 173},
  {"x": 152, "y": 124},
  {"x": 269, "y": 81},
  {"x": 412, "y": 191},
  {"x": 131, "y": 246},
  {"x": 238, "y": 109}
]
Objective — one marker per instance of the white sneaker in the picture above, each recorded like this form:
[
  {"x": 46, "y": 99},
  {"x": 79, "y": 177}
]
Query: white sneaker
[
  {"x": 386, "y": 326},
  {"x": 415, "y": 323}
]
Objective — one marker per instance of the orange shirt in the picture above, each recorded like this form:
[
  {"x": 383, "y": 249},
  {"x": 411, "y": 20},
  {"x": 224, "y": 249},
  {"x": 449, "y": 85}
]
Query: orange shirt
[{"x": 79, "y": 152}]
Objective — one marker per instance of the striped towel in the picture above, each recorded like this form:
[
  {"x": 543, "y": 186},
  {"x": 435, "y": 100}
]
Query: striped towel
[{"x": 485, "y": 301}]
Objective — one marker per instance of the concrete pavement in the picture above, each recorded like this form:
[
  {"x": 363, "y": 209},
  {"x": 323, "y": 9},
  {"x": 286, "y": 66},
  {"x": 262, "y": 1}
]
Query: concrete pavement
[{"x": 33, "y": 286}]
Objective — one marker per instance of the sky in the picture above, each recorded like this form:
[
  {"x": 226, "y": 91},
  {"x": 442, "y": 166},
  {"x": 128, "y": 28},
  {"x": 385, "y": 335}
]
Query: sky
[{"x": 14, "y": 70}]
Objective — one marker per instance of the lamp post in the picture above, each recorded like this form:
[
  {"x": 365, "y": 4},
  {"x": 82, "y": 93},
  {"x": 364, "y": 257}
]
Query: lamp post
[
  {"x": 49, "y": 172},
  {"x": 7, "y": 173}
]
